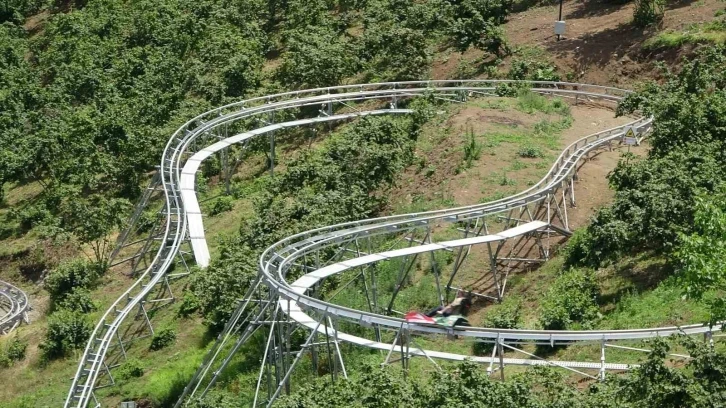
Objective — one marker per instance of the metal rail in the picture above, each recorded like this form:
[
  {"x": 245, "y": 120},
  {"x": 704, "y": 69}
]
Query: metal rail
[
  {"x": 280, "y": 258},
  {"x": 14, "y": 307}
]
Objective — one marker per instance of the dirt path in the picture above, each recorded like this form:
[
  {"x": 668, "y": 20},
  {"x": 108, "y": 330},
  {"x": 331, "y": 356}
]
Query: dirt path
[{"x": 601, "y": 45}]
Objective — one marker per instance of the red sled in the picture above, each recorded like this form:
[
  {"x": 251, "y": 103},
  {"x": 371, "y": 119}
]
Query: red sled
[{"x": 416, "y": 317}]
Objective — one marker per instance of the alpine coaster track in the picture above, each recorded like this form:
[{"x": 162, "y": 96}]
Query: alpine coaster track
[{"x": 526, "y": 225}]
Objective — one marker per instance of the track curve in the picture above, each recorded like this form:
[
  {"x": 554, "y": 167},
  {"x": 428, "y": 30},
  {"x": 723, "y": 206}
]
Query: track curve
[
  {"x": 184, "y": 218},
  {"x": 14, "y": 307}
]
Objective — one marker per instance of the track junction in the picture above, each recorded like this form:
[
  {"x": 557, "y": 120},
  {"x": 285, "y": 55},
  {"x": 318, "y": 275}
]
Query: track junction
[{"x": 524, "y": 228}]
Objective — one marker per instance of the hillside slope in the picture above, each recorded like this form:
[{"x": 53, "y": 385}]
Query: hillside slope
[{"x": 123, "y": 107}]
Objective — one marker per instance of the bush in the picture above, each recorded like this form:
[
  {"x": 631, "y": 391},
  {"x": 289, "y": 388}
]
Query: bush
[
  {"x": 571, "y": 299},
  {"x": 524, "y": 68},
  {"x": 15, "y": 351},
  {"x": 130, "y": 368},
  {"x": 67, "y": 331},
  {"x": 146, "y": 221},
  {"x": 216, "y": 399},
  {"x": 219, "y": 288},
  {"x": 222, "y": 204},
  {"x": 530, "y": 152},
  {"x": 79, "y": 299},
  {"x": 472, "y": 149},
  {"x": 506, "y": 315},
  {"x": 648, "y": 12},
  {"x": 32, "y": 216},
  {"x": 69, "y": 275},
  {"x": 507, "y": 90},
  {"x": 163, "y": 338},
  {"x": 189, "y": 305}
]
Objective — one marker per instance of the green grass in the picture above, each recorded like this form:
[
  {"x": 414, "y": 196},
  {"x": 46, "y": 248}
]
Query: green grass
[
  {"x": 713, "y": 32},
  {"x": 530, "y": 102},
  {"x": 663, "y": 305}
]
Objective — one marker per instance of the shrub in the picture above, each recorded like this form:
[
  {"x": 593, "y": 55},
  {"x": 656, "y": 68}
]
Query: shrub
[
  {"x": 163, "y": 338},
  {"x": 69, "y": 275},
  {"x": 15, "y": 351},
  {"x": 219, "y": 288},
  {"x": 648, "y": 12},
  {"x": 32, "y": 216},
  {"x": 533, "y": 69},
  {"x": 222, "y": 204},
  {"x": 472, "y": 149},
  {"x": 571, "y": 299},
  {"x": 216, "y": 399},
  {"x": 507, "y": 315},
  {"x": 507, "y": 89},
  {"x": 189, "y": 305},
  {"x": 67, "y": 331},
  {"x": 146, "y": 221},
  {"x": 79, "y": 299},
  {"x": 130, "y": 368},
  {"x": 530, "y": 152}
]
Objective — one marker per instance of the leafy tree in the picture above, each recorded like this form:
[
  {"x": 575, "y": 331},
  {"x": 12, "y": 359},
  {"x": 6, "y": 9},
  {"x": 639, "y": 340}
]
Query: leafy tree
[
  {"x": 334, "y": 184},
  {"x": 688, "y": 107},
  {"x": 301, "y": 14},
  {"x": 316, "y": 57},
  {"x": 701, "y": 257},
  {"x": 477, "y": 23},
  {"x": 655, "y": 383},
  {"x": 17, "y": 10},
  {"x": 384, "y": 46},
  {"x": 91, "y": 219}
]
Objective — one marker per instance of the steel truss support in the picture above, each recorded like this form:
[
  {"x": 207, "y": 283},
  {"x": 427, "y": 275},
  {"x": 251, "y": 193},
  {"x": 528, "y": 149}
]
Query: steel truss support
[
  {"x": 131, "y": 226},
  {"x": 404, "y": 270},
  {"x": 403, "y": 341},
  {"x": 247, "y": 317}
]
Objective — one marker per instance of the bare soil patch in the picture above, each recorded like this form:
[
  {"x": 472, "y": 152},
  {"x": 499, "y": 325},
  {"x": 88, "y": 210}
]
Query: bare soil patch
[{"x": 601, "y": 45}]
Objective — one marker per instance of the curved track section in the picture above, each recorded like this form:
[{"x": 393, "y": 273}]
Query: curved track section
[
  {"x": 295, "y": 300},
  {"x": 14, "y": 307}
]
